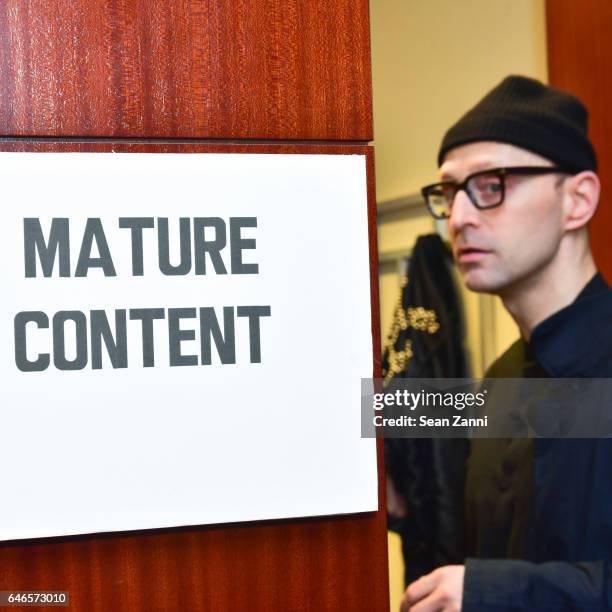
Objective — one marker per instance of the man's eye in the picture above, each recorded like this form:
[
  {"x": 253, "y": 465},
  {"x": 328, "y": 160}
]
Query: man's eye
[{"x": 489, "y": 187}]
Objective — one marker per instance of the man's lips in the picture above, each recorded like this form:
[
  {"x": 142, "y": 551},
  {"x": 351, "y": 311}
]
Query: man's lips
[{"x": 470, "y": 254}]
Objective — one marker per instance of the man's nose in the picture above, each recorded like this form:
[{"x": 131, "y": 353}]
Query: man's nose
[{"x": 463, "y": 213}]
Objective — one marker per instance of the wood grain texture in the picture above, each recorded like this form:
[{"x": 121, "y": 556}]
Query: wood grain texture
[
  {"x": 227, "y": 69},
  {"x": 580, "y": 61},
  {"x": 319, "y": 564}
]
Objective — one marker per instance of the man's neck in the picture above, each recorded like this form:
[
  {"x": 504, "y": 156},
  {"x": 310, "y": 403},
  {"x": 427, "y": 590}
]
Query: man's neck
[{"x": 554, "y": 288}]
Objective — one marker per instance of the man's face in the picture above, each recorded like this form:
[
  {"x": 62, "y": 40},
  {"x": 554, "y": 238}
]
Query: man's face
[{"x": 510, "y": 246}]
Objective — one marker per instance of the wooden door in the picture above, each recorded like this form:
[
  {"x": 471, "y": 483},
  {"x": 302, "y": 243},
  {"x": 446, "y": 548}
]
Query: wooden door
[
  {"x": 580, "y": 61},
  {"x": 198, "y": 75}
]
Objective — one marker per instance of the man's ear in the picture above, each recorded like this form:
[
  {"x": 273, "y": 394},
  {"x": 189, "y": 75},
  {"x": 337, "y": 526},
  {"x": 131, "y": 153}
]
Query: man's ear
[{"x": 582, "y": 196}]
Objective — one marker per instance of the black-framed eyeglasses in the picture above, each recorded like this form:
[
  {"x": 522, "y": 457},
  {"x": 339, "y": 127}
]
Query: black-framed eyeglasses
[{"x": 485, "y": 189}]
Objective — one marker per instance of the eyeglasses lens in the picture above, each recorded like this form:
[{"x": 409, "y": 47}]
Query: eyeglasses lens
[
  {"x": 487, "y": 189},
  {"x": 440, "y": 199}
]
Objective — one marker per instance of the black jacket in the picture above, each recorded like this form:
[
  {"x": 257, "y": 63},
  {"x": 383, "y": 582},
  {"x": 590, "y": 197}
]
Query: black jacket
[
  {"x": 426, "y": 342},
  {"x": 539, "y": 512}
]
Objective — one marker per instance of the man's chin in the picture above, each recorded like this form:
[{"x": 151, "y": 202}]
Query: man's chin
[{"x": 479, "y": 282}]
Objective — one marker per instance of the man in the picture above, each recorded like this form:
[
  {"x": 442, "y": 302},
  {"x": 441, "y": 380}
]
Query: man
[{"x": 519, "y": 187}]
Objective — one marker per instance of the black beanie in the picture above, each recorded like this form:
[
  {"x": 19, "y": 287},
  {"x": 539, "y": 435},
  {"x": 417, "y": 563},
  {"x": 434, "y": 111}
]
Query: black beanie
[{"x": 526, "y": 113}]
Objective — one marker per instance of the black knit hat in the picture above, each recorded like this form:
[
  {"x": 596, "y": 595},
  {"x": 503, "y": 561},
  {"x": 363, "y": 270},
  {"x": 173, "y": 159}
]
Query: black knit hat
[{"x": 526, "y": 113}]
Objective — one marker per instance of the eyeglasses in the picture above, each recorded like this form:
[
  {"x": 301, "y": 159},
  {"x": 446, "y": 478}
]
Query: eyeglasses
[{"x": 486, "y": 189}]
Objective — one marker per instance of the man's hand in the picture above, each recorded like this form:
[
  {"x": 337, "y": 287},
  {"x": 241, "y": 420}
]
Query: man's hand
[{"x": 440, "y": 591}]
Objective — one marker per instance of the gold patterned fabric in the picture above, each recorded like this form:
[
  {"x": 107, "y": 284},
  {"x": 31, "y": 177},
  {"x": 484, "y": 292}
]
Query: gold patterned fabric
[{"x": 398, "y": 350}]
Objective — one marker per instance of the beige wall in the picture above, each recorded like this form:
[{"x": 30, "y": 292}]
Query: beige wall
[{"x": 432, "y": 60}]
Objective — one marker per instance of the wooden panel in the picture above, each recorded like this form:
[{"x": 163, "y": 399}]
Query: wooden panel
[
  {"x": 257, "y": 69},
  {"x": 580, "y": 61},
  {"x": 332, "y": 563},
  {"x": 318, "y": 565}
]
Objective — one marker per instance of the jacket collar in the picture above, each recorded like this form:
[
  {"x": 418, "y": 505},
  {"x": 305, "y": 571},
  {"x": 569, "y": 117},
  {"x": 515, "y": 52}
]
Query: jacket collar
[{"x": 576, "y": 341}]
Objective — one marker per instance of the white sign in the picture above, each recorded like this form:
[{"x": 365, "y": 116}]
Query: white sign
[{"x": 182, "y": 338}]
